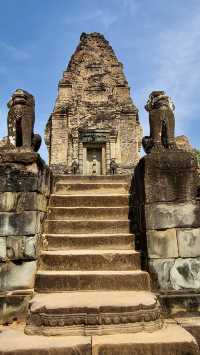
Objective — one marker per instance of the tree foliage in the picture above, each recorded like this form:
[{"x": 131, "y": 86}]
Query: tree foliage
[{"x": 197, "y": 153}]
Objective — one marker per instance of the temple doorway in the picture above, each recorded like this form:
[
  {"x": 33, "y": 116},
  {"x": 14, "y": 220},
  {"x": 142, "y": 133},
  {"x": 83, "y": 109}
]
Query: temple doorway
[{"x": 94, "y": 160}]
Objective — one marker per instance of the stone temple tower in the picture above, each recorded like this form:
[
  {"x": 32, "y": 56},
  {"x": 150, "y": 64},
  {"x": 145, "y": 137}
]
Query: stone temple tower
[{"x": 94, "y": 125}]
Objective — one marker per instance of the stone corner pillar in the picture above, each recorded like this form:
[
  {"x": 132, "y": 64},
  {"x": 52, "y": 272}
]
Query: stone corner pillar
[
  {"x": 169, "y": 223},
  {"x": 24, "y": 191}
]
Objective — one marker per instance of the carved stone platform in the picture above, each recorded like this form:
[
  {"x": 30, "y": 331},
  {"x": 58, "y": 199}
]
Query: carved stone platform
[{"x": 94, "y": 312}]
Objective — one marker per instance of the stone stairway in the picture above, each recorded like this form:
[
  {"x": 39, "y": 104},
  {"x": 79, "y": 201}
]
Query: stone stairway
[
  {"x": 91, "y": 297},
  {"x": 89, "y": 279}
]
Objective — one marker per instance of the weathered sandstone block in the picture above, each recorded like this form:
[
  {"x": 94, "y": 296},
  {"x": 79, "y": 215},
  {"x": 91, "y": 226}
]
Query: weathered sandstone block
[
  {"x": 185, "y": 274},
  {"x": 22, "y": 201},
  {"x": 21, "y": 247},
  {"x": 171, "y": 215},
  {"x": 162, "y": 244},
  {"x": 24, "y": 223},
  {"x": 167, "y": 176},
  {"x": 176, "y": 274},
  {"x": 189, "y": 242},
  {"x": 23, "y": 171},
  {"x": 18, "y": 276},
  {"x": 160, "y": 272}
]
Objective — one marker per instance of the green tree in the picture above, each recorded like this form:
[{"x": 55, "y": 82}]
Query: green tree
[{"x": 197, "y": 152}]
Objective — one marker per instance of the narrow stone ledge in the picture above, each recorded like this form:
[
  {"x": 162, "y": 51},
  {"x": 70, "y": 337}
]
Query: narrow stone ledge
[{"x": 182, "y": 303}]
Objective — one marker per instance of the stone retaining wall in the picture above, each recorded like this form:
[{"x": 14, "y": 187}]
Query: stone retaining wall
[
  {"x": 170, "y": 227},
  {"x": 24, "y": 190}
]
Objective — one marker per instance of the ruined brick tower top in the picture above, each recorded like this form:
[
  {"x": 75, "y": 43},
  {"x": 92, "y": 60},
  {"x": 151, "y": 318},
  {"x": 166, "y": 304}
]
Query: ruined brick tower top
[{"x": 94, "y": 128}]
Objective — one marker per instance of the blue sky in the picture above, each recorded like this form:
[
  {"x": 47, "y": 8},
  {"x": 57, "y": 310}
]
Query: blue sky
[{"x": 157, "y": 41}]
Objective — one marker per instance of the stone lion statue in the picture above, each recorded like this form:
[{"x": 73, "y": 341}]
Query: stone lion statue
[
  {"x": 21, "y": 119},
  {"x": 162, "y": 122}
]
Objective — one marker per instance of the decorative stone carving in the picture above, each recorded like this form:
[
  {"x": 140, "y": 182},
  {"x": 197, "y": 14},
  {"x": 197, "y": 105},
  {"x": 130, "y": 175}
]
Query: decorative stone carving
[
  {"x": 21, "y": 119},
  {"x": 162, "y": 122},
  {"x": 139, "y": 319},
  {"x": 113, "y": 167},
  {"x": 75, "y": 167}
]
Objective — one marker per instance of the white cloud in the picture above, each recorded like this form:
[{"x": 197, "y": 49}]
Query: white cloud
[
  {"x": 178, "y": 68},
  {"x": 14, "y": 52},
  {"x": 130, "y": 6},
  {"x": 104, "y": 17}
]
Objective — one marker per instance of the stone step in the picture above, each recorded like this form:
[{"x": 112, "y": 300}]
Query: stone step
[
  {"x": 89, "y": 200},
  {"x": 84, "y": 226},
  {"x": 94, "y": 179},
  {"x": 13, "y": 341},
  {"x": 93, "y": 312},
  {"x": 91, "y": 188},
  {"x": 170, "y": 340},
  {"x": 57, "y": 281},
  {"x": 68, "y": 213},
  {"x": 89, "y": 241},
  {"x": 89, "y": 260}
]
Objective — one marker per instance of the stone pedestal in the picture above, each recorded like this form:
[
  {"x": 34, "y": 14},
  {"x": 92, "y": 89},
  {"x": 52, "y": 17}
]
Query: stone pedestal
[
  {"x": 167, "y": 188},
  {"x": 24, "y": 189}
]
